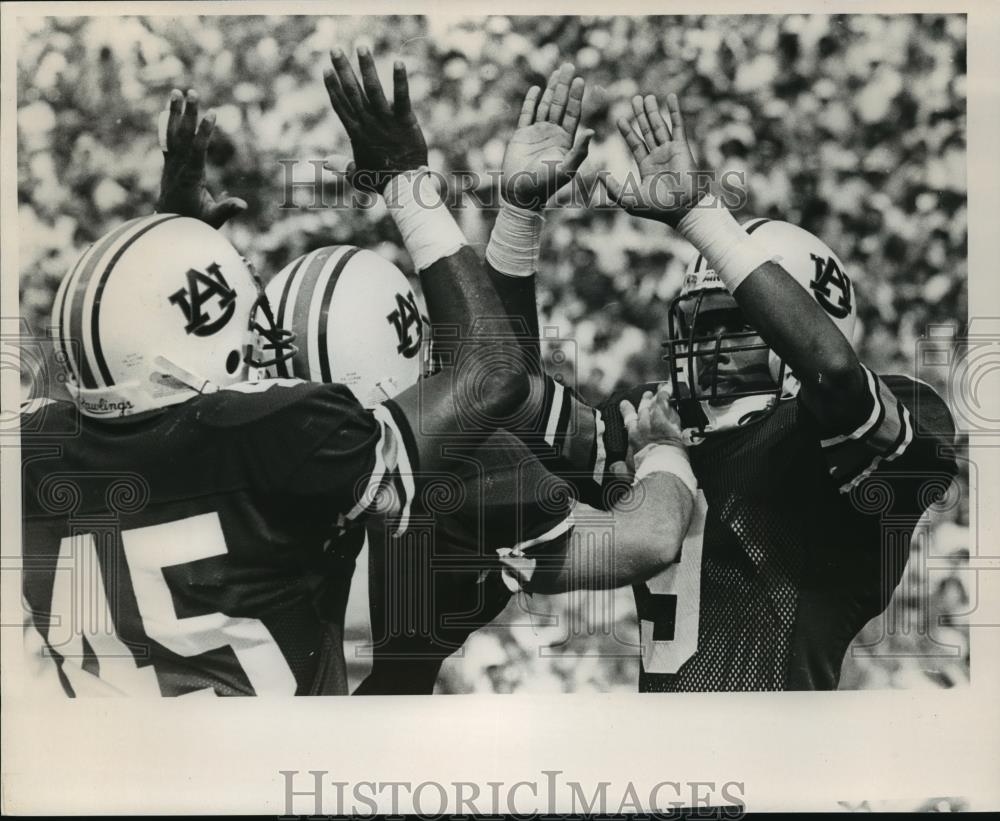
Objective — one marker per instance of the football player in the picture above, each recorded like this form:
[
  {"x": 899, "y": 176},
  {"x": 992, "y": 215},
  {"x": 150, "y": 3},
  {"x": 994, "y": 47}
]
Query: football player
[
  {"x": 426, "y": 598},
  {"x": 812, "y": 470}
]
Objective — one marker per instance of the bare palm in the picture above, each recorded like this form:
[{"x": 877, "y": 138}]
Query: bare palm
[
  {"x": 668, "y": 181},
  {"x": 541, "y": 156}
]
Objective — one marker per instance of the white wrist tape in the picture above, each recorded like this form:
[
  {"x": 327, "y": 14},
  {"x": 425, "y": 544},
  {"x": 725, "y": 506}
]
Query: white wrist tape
[
  {"x": 728, "y": 249},
  {"x": 161, "y": 129},
  {"x": 516, "y": 241},
  {"x": 662, "y": 458},
  {"x": 429, "y": 232}
]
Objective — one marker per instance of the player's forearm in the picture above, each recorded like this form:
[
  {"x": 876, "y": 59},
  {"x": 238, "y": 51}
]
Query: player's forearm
[
  {"x": 461, "y": 300},
  {"x": 455, "y": 287},
  {"x": 517, "y": 295},
  {"x": 512, "y": 261},
  {"x": 798, "y": 330},
  {"x": 469, "y": 322},
  {"x": 634, "y": 541},
  {"x": 788, "y": 319}
]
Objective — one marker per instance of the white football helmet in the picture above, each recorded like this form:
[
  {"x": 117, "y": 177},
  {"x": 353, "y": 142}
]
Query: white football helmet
[
  {"x": 812, "y": 264},
  {"x": 157, "y": 311},
  {"x": 356, "y": 320}
]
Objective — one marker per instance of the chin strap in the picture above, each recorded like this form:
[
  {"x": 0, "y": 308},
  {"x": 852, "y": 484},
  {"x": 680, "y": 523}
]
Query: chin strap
[
  {"x": 170, "y": 384},
  {"x": 184, "y": 376}
]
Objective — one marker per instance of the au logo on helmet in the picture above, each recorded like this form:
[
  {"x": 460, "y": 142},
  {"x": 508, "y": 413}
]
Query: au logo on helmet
[
  {"x": 202, "y": 288},
  {"x": 828, "y": 274},
  {"x": 406, "y": 319}
]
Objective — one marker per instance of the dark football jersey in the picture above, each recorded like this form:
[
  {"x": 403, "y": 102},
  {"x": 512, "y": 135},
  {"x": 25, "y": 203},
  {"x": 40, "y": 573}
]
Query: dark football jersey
[
  {"x": 797, "y": 540},
  {"x": 431, "y": 588},
  {"x": 207, "y": 546}
]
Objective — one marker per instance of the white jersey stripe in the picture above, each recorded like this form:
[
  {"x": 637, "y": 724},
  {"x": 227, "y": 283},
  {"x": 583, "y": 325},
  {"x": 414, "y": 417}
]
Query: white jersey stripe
[
  {"x": 867, "y": 424},
  {"x": 602, "y": 455},
  {"x": 554, "y": 413},
  {"x": 908, "y": 426}
]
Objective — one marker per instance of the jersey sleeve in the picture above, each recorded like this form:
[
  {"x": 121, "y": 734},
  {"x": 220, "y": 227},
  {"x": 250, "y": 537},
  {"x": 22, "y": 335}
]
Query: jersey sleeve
[
  {"x": 584, "y": 442},
  {"x": 572, "y": 440},
  {"x": 365, "y": 464},
  {"x": 317, "y": 443},
  {"x": 907, "y": 436}
]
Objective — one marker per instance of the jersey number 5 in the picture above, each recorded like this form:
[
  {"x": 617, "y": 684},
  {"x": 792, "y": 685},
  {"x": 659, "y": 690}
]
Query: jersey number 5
[{"x": 676, "y": 590}]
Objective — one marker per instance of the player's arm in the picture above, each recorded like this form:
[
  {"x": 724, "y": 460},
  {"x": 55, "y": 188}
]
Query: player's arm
[
  {"x": 789, "y": 320},
  {"x": 639, "y": 536},
  {"x": 183, "y": 185},
  {"x": 476, "y": 383},
  {"x": 907, "y": 440},
  {"x": 543, "y": 155}
]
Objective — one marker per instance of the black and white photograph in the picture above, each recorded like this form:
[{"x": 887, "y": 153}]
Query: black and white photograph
[{"x": 595, "y": 406}]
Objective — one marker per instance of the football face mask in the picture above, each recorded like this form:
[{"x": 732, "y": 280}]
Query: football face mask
[
  {"x": 717, "y": 362},
  {"x": 718, "y": 366}
]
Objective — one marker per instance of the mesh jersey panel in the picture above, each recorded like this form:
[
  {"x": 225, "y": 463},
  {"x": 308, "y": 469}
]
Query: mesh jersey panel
[{"x": 791, "y": 569}]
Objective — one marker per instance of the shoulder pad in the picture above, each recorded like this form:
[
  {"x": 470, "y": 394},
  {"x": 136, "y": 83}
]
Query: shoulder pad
[
  {"x": 250, "y": 402},
  {"x": 930, "y": 412},
  {"x": 49, "y": 417},
  {"x": 30, "y": 406}
]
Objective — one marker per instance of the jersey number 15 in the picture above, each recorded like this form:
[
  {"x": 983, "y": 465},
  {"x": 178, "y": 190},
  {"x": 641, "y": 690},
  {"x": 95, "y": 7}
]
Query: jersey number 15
[{"x": 147, "y": 551}]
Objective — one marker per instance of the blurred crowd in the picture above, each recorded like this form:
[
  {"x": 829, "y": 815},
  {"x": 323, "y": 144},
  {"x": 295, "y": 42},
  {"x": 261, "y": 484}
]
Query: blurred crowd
[{"x": 850, "y": 126}]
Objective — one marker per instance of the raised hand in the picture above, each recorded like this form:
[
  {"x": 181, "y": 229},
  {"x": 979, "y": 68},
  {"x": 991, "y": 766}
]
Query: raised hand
[
  {"x": 654, "y": 422},
  {"x": 183, "y": 188},
  {"x": 668, "y": 180},
  {"x": 543, "y": 155},
  {"x": 386, "y": 140}
]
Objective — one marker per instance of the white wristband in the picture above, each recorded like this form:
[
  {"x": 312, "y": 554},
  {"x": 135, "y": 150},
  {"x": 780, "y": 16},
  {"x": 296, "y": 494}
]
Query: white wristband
[
  {"x": 516, "y": 241},
  {"x": 161, "y": 129},
  {"x": 663, "y": 458},
  {"x": 729, "y": 250},
  {"x": 429, "y": 232}
]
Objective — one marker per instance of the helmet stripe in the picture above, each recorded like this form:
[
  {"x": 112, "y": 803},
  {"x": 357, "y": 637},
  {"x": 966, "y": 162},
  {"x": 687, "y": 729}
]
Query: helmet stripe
[
  {"x": 307, "y": 306},
  {"x": 282, "y": 304},
  {"x": 95, "y": 315},
  {"x": 698, "y": 263},
  {"x": 753, "y": 226},
  {"x": 298, "y": 365},
  {"x": 301, "y": 298},
  {"x": 59, "y": 310},
  {"x": 324, "y": 351},
  {"x": 76, "y": 295}
]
